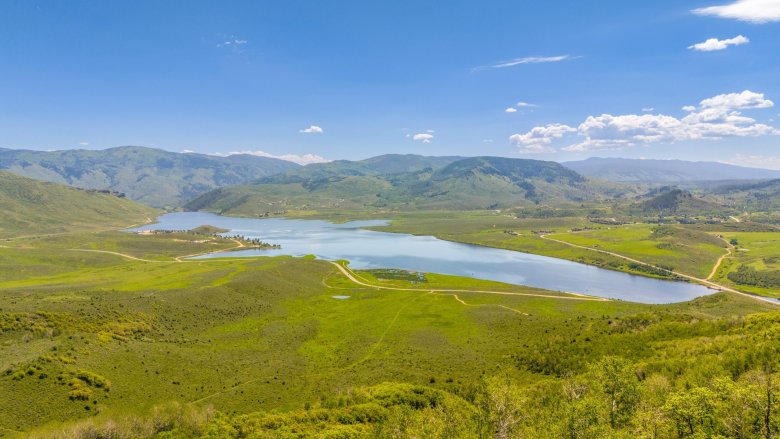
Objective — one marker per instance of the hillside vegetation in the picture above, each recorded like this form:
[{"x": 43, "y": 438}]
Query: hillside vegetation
[
  {"x": 471, "y": 183},
  {"x": 32, "y": 207},
  {"x": 151, "y": 176},
  {"x": 269, "y": 352}
]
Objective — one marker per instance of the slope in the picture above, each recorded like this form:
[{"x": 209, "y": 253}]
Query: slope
[{"x": 33, "y": 207}]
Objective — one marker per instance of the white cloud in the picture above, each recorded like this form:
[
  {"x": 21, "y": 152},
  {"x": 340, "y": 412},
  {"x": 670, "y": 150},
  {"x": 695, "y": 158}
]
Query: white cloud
[
  {"x": 487, "y": 140},
  {"x": 538, "y": 140},
  {"x": 83, "y": 143},
  {"x": 648, "y": 109},
  {"x": 754, "y": 11},
  {"x": 304, "y": 159},
  {"x": 714, "y": 118},
  {"x": 525, "y": 105},
  {"x": 716, "y": 44},
  {"x": 423, "y": 137},
  {"x": 511, "y": 110},
  {"x": 313, "y": 129},
  {"x": 232, "y": 42},
  {"x": 526, "y": 60},
  {"x": 738, "y": 101},
  {"x": 187, "y": 151},
  {"x": 755, "y": 161}
]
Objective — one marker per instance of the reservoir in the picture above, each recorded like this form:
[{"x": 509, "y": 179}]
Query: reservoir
[{"x": 366, "y": 249}]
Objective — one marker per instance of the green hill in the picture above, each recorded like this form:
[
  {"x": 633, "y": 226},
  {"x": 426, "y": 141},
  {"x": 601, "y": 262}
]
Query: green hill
[
  {"x": 152, "y": 176},
  {"x": 672, "y": 201},
  {"x": 470, "y": 183},
  {"x": 35, "y": 207}
]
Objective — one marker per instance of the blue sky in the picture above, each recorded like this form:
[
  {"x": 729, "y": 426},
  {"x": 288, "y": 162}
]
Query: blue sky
[{"x": 353, "y": 79}]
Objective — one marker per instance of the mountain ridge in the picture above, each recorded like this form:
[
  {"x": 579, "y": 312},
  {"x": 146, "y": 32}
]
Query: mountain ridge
[
  {"x": 665, "y": 171},
  {"x": 152, "y": 176}
]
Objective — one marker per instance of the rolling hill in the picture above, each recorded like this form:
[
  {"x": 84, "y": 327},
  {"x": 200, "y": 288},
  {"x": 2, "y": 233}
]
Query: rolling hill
[
  {"x": 673, "y": 201},
  {"x": 469, "y": 183},
  {"x": 34, "y": 207},
  {"x": 665, "y": 171},
  {"x": 151, "y": 176}
]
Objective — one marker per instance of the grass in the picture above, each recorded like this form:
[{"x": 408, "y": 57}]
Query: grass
[
  {"x": 35, "y": 207},
  {"x": 261, "y": 333},
  {"x": 757, "y": 250}
]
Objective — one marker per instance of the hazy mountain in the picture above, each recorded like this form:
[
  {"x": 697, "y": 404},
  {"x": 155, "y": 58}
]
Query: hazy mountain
[
  {"x": 470, "y": 183},
  {"x": 152, "y": 176},
  {"x": 34, "y": 207},
  {"x": 665, "y": 171}
]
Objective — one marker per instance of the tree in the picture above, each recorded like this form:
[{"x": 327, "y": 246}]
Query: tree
[
  {"x": 692, "y": 410},
  {"x": 619, "y": 385},
  {"x": 502, "y": 404}
]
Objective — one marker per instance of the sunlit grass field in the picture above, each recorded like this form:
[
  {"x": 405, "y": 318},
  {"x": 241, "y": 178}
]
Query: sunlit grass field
[{"x": 86, "y": 333}]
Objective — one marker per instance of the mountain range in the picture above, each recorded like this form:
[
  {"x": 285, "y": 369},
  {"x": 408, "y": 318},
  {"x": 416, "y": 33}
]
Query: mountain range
[
  {"x": 151, "y": 176},
  {"x": 424, "y": 183},
  {"x": 665, "y": 171}
]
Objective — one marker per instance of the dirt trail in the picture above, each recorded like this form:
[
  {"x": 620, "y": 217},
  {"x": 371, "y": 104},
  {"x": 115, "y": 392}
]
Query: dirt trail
[
  {"x": 351, "y": 276},
  {"x": 729, "y": 251}
]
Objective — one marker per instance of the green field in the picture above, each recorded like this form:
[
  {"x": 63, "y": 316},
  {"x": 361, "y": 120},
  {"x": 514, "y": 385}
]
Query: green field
[
  {"x": 99, "y": 336},
  {"x": 757, "y": 251},
  {"x": 108, "y": 334}
]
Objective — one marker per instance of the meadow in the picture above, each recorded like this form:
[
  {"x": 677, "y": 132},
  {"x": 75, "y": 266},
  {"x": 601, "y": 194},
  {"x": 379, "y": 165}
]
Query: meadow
[{"x": 102, "y": 337}]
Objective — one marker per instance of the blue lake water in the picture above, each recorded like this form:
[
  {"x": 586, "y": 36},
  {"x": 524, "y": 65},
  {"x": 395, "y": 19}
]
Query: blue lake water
[{"x": 372, "y": 249}]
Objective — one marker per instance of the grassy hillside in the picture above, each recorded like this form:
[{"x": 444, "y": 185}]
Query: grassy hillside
[
  {"x": 32, "y": 207},
  {"x": 472, "y": 183},
  {"x": 676, "y": 202},
  {"x": 152, "y": 176},
  {"x": 271, "y": 352}
]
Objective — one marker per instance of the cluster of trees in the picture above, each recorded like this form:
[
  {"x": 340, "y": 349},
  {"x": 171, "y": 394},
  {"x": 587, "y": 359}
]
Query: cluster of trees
[{"x": 745, "y": 275}]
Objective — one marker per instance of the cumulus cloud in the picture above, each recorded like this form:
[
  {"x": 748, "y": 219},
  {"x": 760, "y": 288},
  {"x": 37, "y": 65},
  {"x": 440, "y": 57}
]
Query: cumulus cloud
[
  {"x": 738, "y": 101},
  {"x": 313, "y": 129},
  {"x": 754, "y": 11},
  {"x": 538, "y": 140},
  {"x": 423, "y": 137},
  {"x": 304, "y": 159},
  {"x": 714, "y": 118},
  {"x": 716, "y": 44},
  {"x": 511, "y": 110},
  {"x": 756, "y": 161},
  {"x": 525, "y": 105}
]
